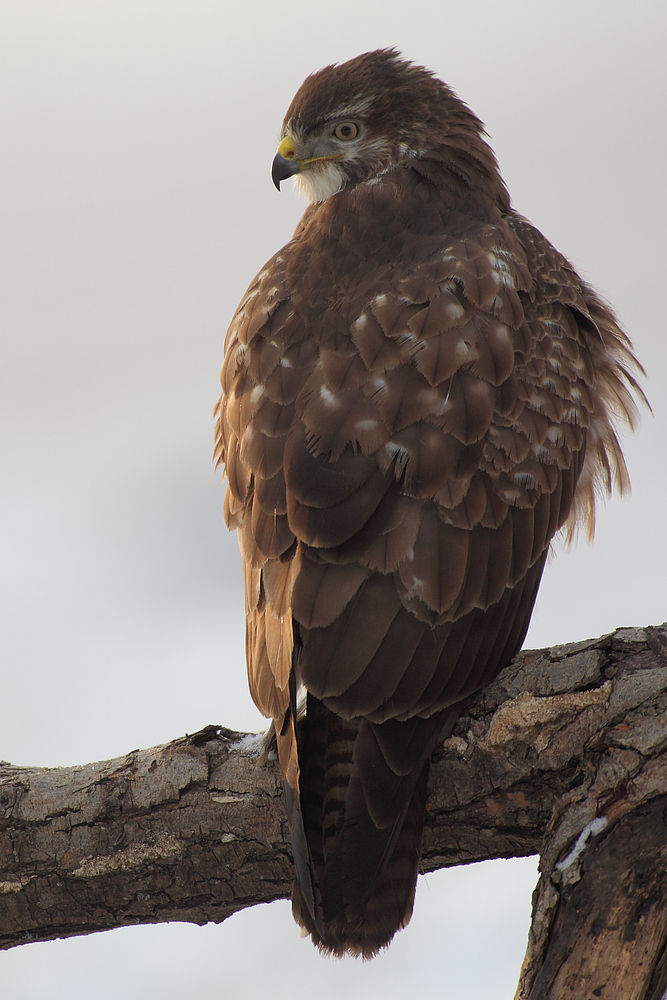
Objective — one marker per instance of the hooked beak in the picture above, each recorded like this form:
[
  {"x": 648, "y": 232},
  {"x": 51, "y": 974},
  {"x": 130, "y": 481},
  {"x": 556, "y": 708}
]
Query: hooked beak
[
  {"x": 284, "y": 163},
  {"x": 281, "y": 169}
]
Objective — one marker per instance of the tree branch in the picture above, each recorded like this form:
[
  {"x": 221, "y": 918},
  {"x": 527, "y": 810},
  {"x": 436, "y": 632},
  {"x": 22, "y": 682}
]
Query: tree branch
[{"x": 563, "y": 755}]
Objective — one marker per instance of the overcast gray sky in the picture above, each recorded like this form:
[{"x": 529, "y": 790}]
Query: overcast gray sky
[{"x": 136, "y": 206}]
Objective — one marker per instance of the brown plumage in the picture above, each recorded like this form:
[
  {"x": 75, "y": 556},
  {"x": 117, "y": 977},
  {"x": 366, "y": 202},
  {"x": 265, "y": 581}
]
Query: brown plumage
[{"x": 418, "y": 393}]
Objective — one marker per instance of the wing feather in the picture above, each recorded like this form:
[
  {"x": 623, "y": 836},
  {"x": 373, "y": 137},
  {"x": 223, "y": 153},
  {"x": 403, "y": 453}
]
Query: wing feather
[
  {"x": 471, "y": 382},
  {"x": 323, "y": 589}
]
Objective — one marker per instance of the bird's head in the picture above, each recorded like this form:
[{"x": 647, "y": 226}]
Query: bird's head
[{"x": 351, "y": 122}]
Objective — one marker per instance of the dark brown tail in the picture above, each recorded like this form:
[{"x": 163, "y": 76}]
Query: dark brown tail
[{"x": 363, "y": 801}]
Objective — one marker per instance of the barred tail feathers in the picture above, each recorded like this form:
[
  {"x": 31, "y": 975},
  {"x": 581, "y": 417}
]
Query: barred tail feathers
[{"x": 363, "y": 802}]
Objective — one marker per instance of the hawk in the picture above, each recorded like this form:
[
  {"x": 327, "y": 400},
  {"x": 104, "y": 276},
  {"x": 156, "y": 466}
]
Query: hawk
[{"x": 419, "y": 392}]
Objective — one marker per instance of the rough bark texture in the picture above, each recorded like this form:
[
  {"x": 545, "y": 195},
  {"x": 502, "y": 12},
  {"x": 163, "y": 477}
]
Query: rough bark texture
[{"x": 564, "y": 755}]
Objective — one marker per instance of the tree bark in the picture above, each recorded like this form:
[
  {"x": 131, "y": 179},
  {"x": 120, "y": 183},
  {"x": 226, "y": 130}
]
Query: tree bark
[{"x": 563, "y": 755}]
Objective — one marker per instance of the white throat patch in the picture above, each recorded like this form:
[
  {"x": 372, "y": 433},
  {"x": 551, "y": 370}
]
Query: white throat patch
[{"x": 319, "y": 182}]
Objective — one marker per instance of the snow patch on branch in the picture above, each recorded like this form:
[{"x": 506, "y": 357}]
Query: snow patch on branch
[
  {"x": 591, "y": 829},
  {"x": 251, "y": 743}
]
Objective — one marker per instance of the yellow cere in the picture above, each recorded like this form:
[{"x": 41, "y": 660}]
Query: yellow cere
[{"x": 286, "y": 148}]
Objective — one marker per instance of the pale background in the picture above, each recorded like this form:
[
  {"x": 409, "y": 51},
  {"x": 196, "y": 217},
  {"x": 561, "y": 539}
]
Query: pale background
[{"x": 136, "y": 139}]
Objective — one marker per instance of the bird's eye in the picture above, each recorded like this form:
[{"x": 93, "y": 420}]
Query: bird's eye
[{"x": 346, "y": 131}]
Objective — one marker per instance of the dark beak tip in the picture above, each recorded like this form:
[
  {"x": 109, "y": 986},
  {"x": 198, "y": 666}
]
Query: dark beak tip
[{"x": 281, "y": 169}]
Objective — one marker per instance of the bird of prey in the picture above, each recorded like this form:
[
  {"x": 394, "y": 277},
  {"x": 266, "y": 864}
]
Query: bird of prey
[{"x": 419, "y": 392}]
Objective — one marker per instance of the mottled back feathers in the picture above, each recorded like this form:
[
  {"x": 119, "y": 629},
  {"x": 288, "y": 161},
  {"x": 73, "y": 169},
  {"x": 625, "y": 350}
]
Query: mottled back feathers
[{"x": 418, "y": 393}]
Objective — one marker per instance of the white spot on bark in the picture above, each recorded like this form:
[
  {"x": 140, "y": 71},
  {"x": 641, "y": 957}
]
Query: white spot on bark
[
  {"x": 131, "y": 857},
  {"x": 455, "y": 744},
  {"x": 531, "y": 719},
  {"x": 14, "y": 885}
]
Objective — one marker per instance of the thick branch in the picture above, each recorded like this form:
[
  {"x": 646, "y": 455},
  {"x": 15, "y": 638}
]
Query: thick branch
[{"x": 194, "y": 830}]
